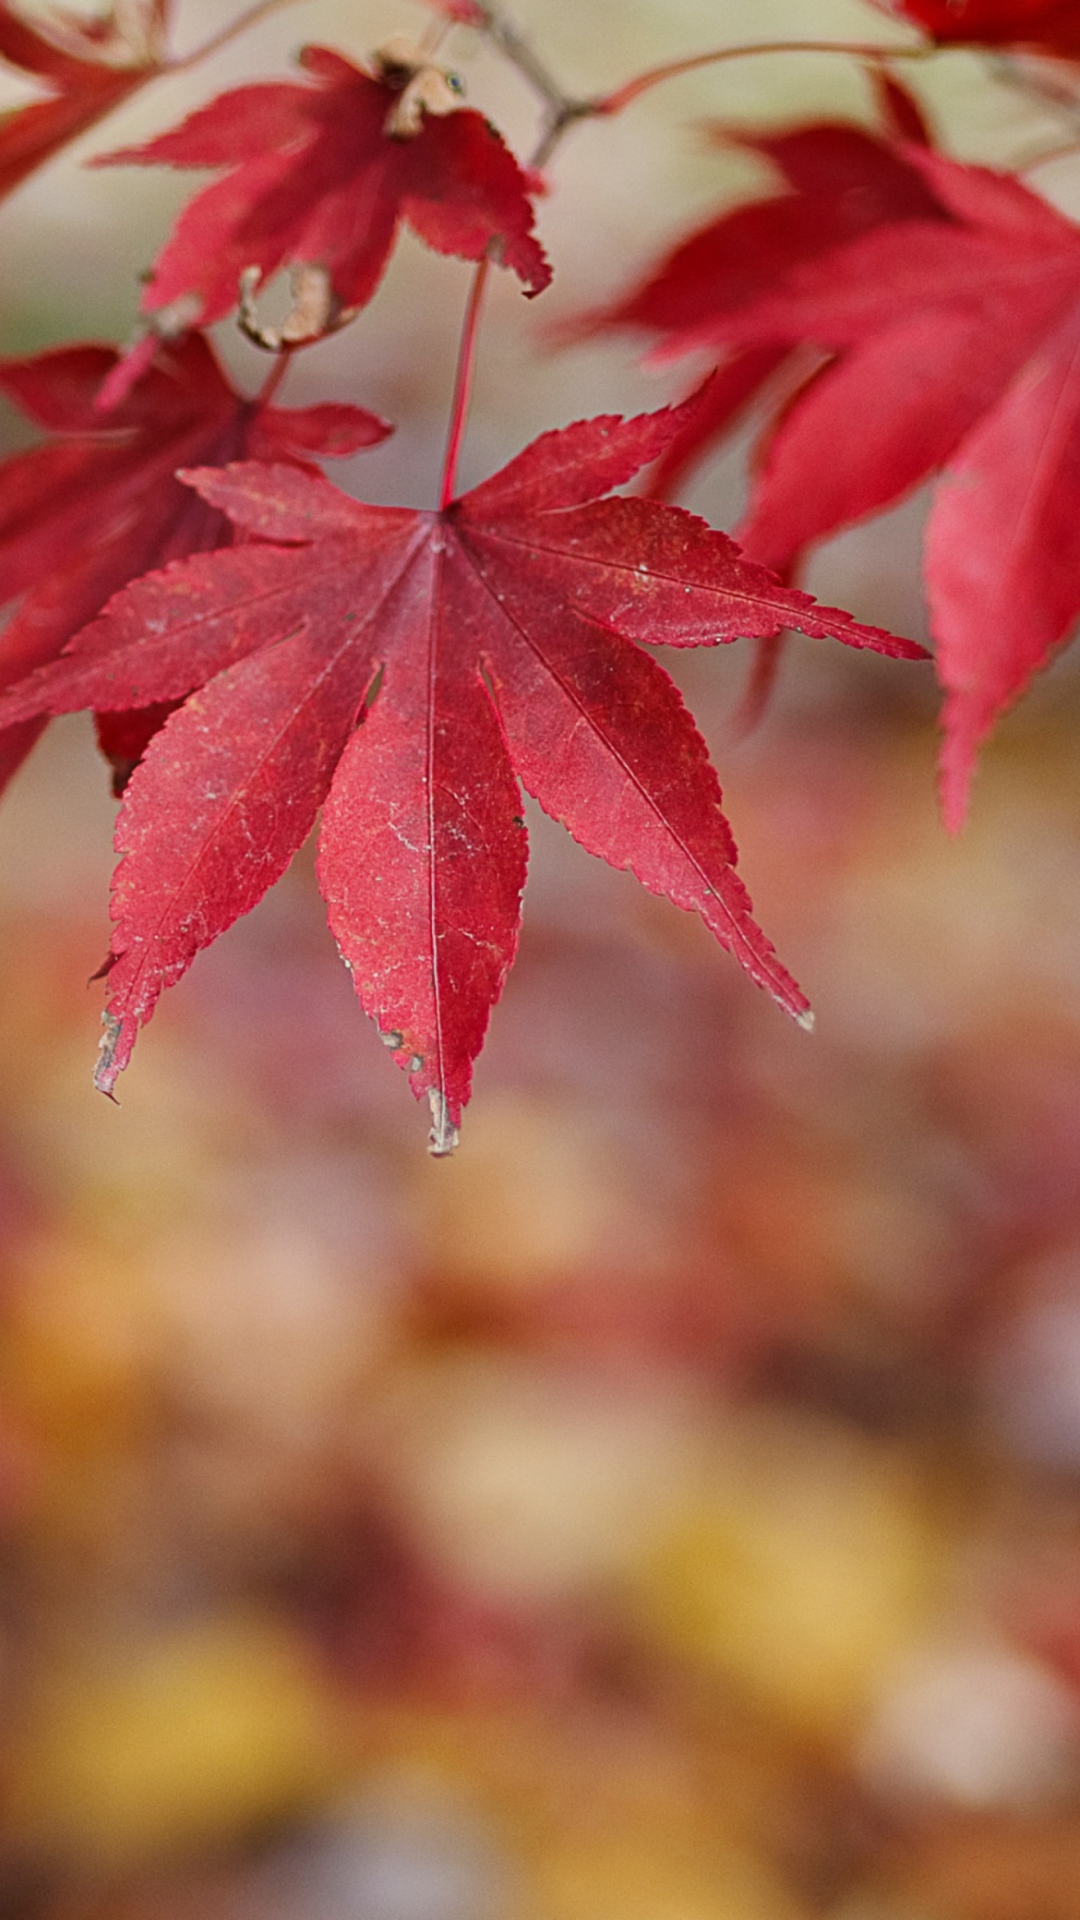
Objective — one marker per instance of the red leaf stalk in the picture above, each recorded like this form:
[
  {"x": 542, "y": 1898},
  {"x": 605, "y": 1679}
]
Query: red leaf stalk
[
  {"x": 463, "y": 382},
  {"x": 653, "y": 76}
]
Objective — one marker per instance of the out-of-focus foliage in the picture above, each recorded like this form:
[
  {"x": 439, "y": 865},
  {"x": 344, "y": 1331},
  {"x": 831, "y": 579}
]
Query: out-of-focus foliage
[{"x": 667, "y": 1509}]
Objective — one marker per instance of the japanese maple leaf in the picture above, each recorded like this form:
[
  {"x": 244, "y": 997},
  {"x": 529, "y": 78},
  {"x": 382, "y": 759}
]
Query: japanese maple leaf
[
  {"x": 958, "y": 353},
  {"x": 98, "y": 504},
  {"x": 408, "y": 669},
  {"x": 89, "y": 67},
  {"x": 1042, "y": 26},
  {"x": 839, "y": 182},
  {"x": 316, "y": 177}
]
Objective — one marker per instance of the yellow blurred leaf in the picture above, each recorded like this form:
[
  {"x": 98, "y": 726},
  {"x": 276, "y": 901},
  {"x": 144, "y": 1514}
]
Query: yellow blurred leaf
[
  {"x": 799, "y": 1572},
  {"x": 199, "y": 1736},
  {"x": 622, "y": 1877}
]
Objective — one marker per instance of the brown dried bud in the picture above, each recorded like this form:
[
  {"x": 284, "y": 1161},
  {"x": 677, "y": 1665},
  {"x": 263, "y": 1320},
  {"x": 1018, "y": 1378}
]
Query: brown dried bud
[
  {"x": 316, "y": 310},
  {"x": 422, "y": 86}
]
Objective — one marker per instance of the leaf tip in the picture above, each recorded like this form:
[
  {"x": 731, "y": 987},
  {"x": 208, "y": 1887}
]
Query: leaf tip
[
  {"x": 806, "y": 1020},
  {"x": 130, "y": 367},
  {"x": 956, "y": 766},
  {"x": 444, "y": 1136},
  {"x": 954, "y": 807},
  {"x": 107, "y": 1068}
]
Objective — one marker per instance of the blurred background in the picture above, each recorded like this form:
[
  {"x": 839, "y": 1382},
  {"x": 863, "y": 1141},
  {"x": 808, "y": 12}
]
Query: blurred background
[{"x": 670, "y": 1508}]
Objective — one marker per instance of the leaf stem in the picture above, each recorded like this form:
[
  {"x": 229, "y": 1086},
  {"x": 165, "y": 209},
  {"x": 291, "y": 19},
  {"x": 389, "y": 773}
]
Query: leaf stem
[
  {"x": 260, "y": 11},
  {"x": 463, "y": 381},
  {"x": 274, "y": 378},
  {"x": 435, "y": 35},
  {"x": 653, "y": 76}
]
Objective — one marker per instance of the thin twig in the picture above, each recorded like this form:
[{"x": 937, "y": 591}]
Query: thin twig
[
  {"x": 565, "y": 110},
  {"x": 260, "y": 11},
  {"x": 1038, "y": 86},
  {"x": 854, "y": 50},
  {"x": 521, "y": 54},
  {"x": 1032, "y": 162},
  {"x": 1046, "y": 92},
  {"x": 558, "y": 124},
  {"x": 432, "y": 40}
]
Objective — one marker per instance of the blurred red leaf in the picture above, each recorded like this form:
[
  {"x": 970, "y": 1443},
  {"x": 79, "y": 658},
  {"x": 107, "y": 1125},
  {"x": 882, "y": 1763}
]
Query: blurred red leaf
[
  {"x": 492, "y": 641},
  {"x": 839, "y": 182},
  {"x": 958, "y": 353},
  {"x": 1047, "y": 26},
  {"x": 934, "y": 309},
  {"x": 90, "y": 66},
  {"x": 465, "y": 13},
  {"x": 316, "y": 177},
  {"x": 99, "y": 502}
]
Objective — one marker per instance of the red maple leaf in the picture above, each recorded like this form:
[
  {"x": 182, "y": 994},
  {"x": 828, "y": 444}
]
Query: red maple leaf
[
  {"x": 493, "y": 641},
  {"x": 958, "y": 352},
  {"x": 1043, "y": 26},
  {"x": 88, "y": 66},
  {"x": 99, "y": 503},
  {"x": 840, "y": 182},
  {"x": 316, "y": 177}
]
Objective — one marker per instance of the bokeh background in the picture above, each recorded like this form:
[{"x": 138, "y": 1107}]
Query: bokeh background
[{"x": 669, "y": 1509}]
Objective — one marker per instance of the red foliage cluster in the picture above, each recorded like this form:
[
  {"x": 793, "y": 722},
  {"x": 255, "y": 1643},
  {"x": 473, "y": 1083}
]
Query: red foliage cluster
[
  {"x": 494, "y": 637},
  {"x": 408, "y": 669},
  {"x": 940, "y": 302}
]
